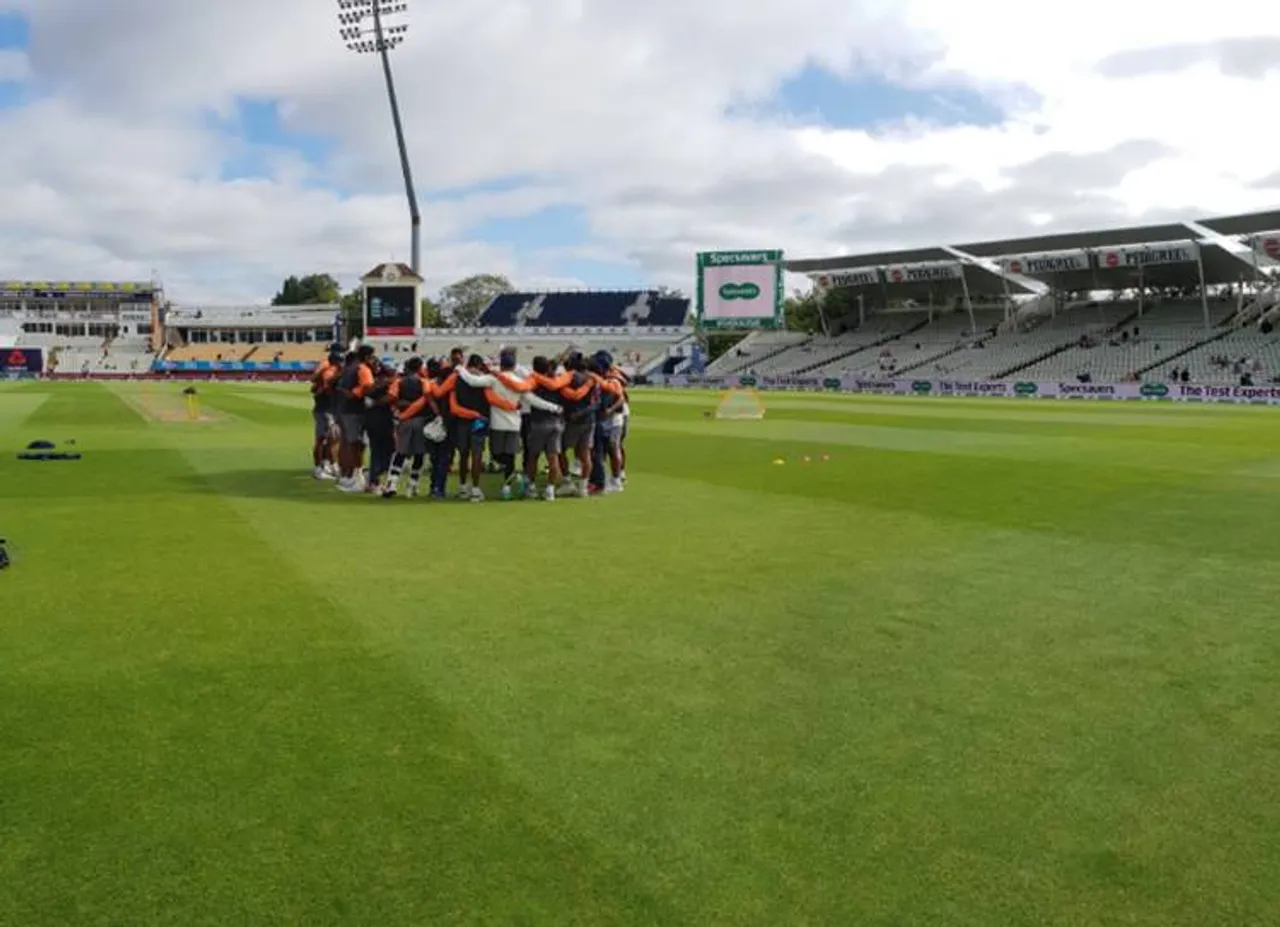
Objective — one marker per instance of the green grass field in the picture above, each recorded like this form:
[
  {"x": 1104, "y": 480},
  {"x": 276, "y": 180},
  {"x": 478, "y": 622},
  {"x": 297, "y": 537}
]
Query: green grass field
[{"x": 990, "y": 664}]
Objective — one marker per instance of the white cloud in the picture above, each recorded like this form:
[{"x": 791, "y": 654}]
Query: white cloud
[
  {"x": 14, "y": 66},
  {"x": 617, "y": 107}
]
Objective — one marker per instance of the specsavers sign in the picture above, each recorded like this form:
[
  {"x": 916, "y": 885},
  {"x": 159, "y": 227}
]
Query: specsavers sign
[{"x": 740, "y": 289}]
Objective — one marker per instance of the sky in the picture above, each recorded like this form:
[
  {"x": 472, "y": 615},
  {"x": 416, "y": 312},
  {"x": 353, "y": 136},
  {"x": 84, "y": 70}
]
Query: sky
[{"x": 565, "y": 143}]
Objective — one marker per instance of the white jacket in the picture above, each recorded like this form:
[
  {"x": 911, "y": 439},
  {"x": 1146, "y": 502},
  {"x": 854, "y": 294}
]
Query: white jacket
[{"x": 503, "y": 419}]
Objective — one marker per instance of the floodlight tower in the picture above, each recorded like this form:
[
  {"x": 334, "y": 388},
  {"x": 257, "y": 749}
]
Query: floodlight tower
[{"x": 363, "y": 27}]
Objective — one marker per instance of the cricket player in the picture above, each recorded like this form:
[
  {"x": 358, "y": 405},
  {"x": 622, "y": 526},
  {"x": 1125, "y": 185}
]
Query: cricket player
[
  {"x": 507, "y": 393},
  {"x": 323, "y": 380},
  {"x": 352, "y": 389}
]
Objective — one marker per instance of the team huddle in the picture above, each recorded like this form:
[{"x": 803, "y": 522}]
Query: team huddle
[{"x": 426, "y": 414}]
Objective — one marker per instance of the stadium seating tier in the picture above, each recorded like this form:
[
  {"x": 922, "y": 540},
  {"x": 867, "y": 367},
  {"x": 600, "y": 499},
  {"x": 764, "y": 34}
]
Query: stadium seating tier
[{"x": 624, "y": 308}]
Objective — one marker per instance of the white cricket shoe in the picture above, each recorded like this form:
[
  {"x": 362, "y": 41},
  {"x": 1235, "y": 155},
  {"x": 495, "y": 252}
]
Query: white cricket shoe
[{"x": 476, "y": 494}]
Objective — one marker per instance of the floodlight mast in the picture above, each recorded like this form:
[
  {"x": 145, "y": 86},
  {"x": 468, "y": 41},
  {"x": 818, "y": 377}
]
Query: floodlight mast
[{"x": 381, "y": 38}]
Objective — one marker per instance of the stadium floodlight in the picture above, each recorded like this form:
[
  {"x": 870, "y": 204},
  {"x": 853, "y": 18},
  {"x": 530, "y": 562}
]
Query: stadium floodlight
[{"x": 363, "y": 26}]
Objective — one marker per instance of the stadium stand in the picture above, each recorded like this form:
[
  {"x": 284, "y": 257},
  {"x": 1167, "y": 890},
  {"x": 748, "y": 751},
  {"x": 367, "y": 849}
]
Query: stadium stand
[
  {"x": 635, "y": 350},
  {"x": 1070, "y": 304},
  {"x": 758, "y": 347},
  {"x": 916, "y": 344},
  {"x": 115, "y": 358},
  {"x": 1228, "y": 357},
  {"x": 311, "y": 352},
  {"x": 208, "y": 352},
  {"x": 1139, "y": 343},
  {"x": 1008, "y": 352},
  {"x": 587, "y": 309}
]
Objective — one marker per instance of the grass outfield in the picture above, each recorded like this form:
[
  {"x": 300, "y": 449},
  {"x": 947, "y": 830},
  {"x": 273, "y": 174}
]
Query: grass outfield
[{"x": 991, "y": 664}]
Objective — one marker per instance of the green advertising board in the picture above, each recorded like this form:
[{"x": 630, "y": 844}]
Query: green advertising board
[{"x": 740, "y": 289}]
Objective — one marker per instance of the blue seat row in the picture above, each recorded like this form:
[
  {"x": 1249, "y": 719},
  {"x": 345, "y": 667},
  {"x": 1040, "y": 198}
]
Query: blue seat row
[{"x": 586, "y": 309}]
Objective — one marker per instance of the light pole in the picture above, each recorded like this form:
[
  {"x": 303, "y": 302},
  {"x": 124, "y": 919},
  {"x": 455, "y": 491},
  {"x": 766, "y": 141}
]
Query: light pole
[{"x": 365, "y": 31}]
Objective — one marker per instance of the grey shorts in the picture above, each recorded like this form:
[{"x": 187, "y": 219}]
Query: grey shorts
[
  {"x": 504, "y": 442},
  {"x": 577, "y": 432},
  {"x": 612, "y": 435},
  {"x": 351, "y": 426},
  {"x": 465, "y": 438},
  {"x": 410, "y": 441},
  {"x": 545, "y": 438},
  {"x": 324, "y": 423}
]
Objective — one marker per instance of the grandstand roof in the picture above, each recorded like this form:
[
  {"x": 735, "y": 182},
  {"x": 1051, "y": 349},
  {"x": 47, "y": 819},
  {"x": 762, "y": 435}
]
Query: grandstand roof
[
  {"x": 979, "y": 280},
  {"x": 1074, "y": 241},
  {"x": 1104, "y": 259},
  {"x": 305, "y": 316},
  {"x": 1246, "y": 224}
]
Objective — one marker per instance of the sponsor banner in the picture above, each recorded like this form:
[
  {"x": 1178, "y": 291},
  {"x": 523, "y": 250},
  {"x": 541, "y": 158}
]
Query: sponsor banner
[
  {"x": 1045, "y": 265},
  {"x": 722, "y": 258},
  {"x": 848, "y": 276},
  {"x": 972, "y": 388},
  {"x": 1093, "y": 390},
  {"x": 1026, "y": 389},
  {"x": 1172, "y": 252},
  {"x": 1267, "y": 243},
  {"x": 1190, "y": 393},
  {"x": 40, "y": 289},
  {"x": 791, "y": 383},
  {"x": 857, "y": 385},
  {"x": 232, "y": 366},
  {"x": 21, "y": 362},
  {"x": 739, "y": 289},
  {"x": 933, "y": 272}
]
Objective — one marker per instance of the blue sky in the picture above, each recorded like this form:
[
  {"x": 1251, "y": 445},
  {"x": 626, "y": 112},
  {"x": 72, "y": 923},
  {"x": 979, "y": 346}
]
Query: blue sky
[
  {"x": 816, "y": 95},
  {"x": 13, "y": 34}
]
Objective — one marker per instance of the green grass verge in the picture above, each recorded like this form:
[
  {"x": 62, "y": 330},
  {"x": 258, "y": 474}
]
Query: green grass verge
[{"x": 989, "y": 663}]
